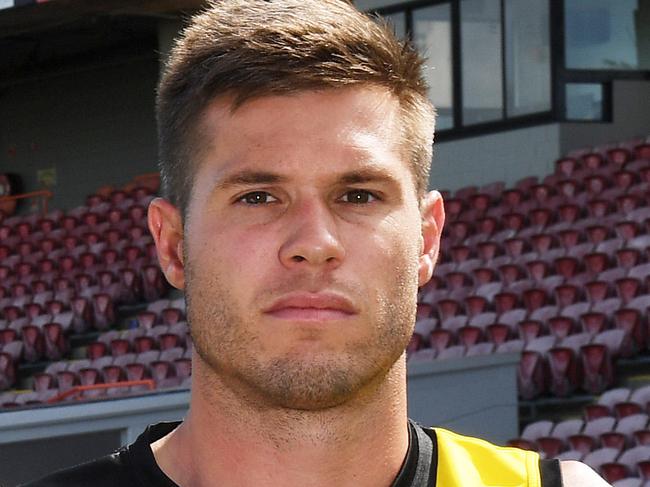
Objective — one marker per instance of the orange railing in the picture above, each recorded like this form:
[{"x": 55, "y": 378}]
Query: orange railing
[
  {"x": 43, "y": 194},
  {"x": 79, "y": 389}
]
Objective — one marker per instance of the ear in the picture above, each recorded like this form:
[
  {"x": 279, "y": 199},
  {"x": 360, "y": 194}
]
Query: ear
[
  {"x": 433, "y": 219},
  {"x": 166, "y": 226}
]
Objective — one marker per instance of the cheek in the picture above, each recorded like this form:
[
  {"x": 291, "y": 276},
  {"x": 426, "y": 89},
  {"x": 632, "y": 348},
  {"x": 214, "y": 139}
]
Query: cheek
[
  {"x": 239, "y": 260},
  {"x": 398, "y": 240}
]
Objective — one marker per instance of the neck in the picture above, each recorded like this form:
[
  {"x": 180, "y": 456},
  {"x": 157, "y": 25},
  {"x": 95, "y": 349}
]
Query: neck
[{"x": 237, "y": 442}]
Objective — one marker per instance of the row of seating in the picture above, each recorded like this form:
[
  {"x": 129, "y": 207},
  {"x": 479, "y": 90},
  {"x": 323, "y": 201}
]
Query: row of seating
[
  {"x": 172, "y": 363},
  {"x": 615, "y": 466},
  {"x": 469, "y": 319},
  {"x": 613, "y": 437},
  {"x": 594, "y": 222},
  {"x": 558, "y": 270},
  {"x": 581, "y": 260},
  {"x": 590, "y": 172},
  {"x": 68, "y": 273},
  {"x": 157, "y": 347}
]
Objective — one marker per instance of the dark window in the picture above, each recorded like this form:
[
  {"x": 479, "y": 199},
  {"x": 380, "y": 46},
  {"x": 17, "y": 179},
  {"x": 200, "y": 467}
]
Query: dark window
[
  {"x": 481, "y": 62},
  {"x": 432, "y": 36},
  {"x": 607, "y": 34},
  {"x": 528, "y": 57},
  {"x": 584, "y": 101}
]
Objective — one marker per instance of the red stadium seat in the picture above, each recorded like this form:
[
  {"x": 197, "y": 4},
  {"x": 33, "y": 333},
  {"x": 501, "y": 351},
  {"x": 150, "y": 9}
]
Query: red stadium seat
[
  {"x": 144, "y": 344},
  {"x": 597, "y": 366},
  {"x": 627, "y": 257},
  {"x": 10, "y": 354},
  {"x": 564, "y": 371},
  {"x": 153, "y": 283},
  {"x": 131, "y": 286},
  {"x": 56, "y": 345},
  {"x": 637, "y": 459},
  {"x": 533, "y": 375},
  {"x": 103, "y": 311},
  {"x": 530, "y": 329},
  {"x": 613, "y": 472},
  {"x": 469, "y": 335},
  {"x": 33, "y": 343},
  {"x": 96, "y": 349},
  {"x": 83, "y": 315}
]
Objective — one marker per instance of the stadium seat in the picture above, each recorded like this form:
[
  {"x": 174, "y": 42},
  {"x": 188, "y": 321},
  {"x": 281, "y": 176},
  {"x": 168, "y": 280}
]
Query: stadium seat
[
  {"x": 613, "y": 472},
  {"x": 533, "y": 375},
  {"x": 56, "y": 345},
  {"x": 119, "y": 346},
  {"x": 630, "y": 321},
  {"x": 103, "y": 311},
  {"x": 565, "y": 372},
  {"x": 600, "y": 456},
  {"x": 637, "y": 459},
  {"x": 10, "y": 354},
  {"x": 629, "y": 425},
  {"x": 33, "y": 343},
  {"x": 441, "y": 339},
  {"x": 83, "y": 316},
  {"x": 597, "y": 367},
  {"x": 537, "y": 429}
]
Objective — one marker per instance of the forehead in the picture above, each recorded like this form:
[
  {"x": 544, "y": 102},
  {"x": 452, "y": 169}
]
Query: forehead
[{"x": 329, "y": 127}]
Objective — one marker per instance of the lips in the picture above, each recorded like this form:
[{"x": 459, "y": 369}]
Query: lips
[{"x": 311, "y": 307}]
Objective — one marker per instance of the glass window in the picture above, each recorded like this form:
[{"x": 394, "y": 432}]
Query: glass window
[
  {"x": 528, "y": 64},
  {"x": 432, "y": 37},
  {"x": 398, "y": 21},
  {"x": 481, "y": 63},
  {"x": 584, "y": 101},
  {"x": 607, "y": 34}
]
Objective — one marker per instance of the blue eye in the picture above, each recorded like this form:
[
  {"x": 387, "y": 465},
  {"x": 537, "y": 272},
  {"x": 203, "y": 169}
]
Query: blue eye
[
  {"x": 257, "y": 198},
  {"x": 359, "y": 197}
]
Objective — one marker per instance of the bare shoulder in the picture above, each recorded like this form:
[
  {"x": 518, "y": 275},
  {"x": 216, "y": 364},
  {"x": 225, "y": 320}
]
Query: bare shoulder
[{"x": 578, "y": 474}]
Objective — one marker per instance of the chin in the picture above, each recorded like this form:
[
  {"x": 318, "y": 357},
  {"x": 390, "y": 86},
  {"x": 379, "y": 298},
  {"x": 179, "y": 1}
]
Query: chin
[{"x": 318, "y": 381}]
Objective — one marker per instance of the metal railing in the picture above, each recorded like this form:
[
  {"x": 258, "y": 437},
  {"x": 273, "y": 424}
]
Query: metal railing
[
  {"x": 79, "y": 389},
  {"x": 44, "y": 195}
]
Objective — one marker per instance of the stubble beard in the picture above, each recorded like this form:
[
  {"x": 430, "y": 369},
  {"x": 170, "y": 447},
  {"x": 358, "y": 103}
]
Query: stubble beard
[{"x": 223, "y": 338}]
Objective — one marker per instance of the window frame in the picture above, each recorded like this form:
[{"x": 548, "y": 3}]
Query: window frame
[
  {"x": 460, "y": 130},
  {"x": 560, "y": 75}
]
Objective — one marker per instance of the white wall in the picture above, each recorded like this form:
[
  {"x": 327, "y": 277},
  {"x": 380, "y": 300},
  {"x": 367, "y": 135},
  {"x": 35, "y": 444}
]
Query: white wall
[{"x": 504, "y": 156}]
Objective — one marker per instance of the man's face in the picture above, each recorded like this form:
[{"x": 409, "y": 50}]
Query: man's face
[{"x": 302, "y": 246}]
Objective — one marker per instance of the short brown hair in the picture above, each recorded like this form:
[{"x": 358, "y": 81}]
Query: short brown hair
[{"x": 252, "y": 48}]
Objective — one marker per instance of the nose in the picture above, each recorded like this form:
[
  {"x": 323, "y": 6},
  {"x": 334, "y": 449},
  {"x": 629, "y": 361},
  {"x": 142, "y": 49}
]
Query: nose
[{"x": 312, "y": 238}]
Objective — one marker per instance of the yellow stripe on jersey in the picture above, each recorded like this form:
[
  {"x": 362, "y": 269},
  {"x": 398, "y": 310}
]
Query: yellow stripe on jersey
[{"x": 464, "y": 461}]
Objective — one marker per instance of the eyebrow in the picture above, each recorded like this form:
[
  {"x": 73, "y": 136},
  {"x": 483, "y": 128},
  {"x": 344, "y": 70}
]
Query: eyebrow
[
  {"x": 367, "y": 175},
  {"x": 249, "y": 177}
]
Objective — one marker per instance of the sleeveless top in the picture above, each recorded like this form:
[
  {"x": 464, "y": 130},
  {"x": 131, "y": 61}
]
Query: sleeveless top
[{"x": 435, "y": 458}]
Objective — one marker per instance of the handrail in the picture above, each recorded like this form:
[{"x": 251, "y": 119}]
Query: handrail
[
  {"x": 44, "y": 193},
  {"x": 78, "y": 389}
]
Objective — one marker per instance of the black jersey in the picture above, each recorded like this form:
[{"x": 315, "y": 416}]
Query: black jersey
[{"x": 135, "y": 465}]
